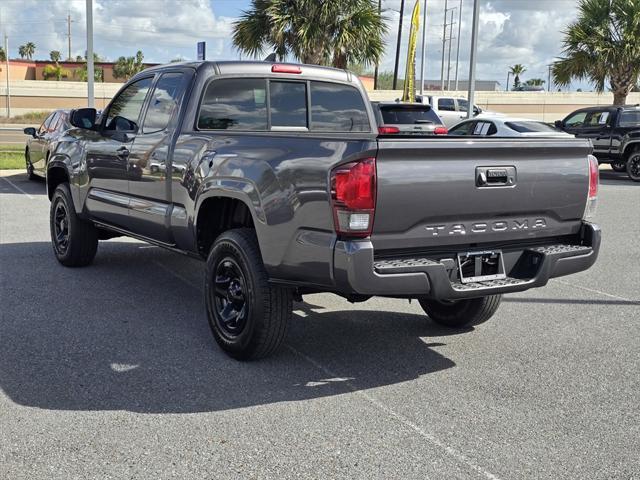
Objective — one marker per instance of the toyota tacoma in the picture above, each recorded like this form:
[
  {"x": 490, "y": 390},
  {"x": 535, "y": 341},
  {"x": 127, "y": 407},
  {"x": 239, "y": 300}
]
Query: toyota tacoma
[{"x": 274, "y": 175}]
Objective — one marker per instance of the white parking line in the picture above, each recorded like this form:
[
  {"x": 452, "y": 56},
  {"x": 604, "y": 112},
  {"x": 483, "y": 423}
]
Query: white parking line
[
  {"x": 452, "y": 452},
  {"x": 593, "y": 290},
  {"x": 17, "y": 188}
]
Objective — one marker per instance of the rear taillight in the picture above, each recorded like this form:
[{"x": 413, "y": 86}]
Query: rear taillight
[
  {"x": 353, "y": 197},
  {"x": 387, "y": 130},
  {"x": 440, "y": 131},
  {"x": 594, "y": 181}
]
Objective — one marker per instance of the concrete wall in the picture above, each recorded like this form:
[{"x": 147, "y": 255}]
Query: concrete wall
[
  {"x": 27, "y": 96},
  {"x": 536, "y": 105}
]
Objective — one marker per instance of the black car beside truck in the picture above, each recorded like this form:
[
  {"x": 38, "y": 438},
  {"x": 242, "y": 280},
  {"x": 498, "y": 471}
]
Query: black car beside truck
[
  {"x": 275, "y": 175},
  {"x": 614, "y": 131}
]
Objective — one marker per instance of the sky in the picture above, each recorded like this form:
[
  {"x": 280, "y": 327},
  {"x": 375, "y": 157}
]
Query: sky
[{"x": 511, "y": 31}]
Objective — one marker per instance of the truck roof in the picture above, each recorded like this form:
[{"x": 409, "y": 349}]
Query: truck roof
[{"x": 260, "y": 68}]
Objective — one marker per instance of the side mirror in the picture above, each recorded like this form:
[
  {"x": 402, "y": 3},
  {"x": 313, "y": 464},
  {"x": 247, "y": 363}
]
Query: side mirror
[
  {"x": 30, "y": 131},
  {"x": 477, "y": 110},
  {"x": 558, "y": 124},
  {"x": 83, "y": 118}
]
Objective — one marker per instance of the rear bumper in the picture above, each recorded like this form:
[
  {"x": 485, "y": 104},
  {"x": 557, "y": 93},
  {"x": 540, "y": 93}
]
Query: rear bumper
[{"x": 357, "y": 272}]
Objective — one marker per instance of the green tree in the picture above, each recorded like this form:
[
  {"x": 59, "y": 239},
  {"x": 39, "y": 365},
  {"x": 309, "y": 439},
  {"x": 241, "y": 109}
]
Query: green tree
[
  {"x": 55, "y": 56},
  {"x": 22, "y": 51},
  {"x": 535, "y": 82},
  {"x": 55, "y": 71},
  {"x": 385, "y": 81},
  {"x": 29, "y": 50},
  {"x": 82, "y": 74},
  {"x": 3, "y": 55},
  {"x": 337, "y": 32},
  {"x": 517, "y": 70},
  {"x": 127, "y": 67},
  {"x": 602, "y": 45}
]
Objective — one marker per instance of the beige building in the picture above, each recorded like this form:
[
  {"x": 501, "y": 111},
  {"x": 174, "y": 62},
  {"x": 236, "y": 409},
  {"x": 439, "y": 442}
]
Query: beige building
[{"x": 34, "y": 70}]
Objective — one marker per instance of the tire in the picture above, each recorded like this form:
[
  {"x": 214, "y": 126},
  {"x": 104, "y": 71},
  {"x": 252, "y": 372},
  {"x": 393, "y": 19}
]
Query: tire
[
  {"x": 248, "y": 317},
  {"x": 619, "y": 166},
  {"x": 75, "y": 241},
  {"x": 30, "y": 171},
  {"x": 633, "y": 166},
  {"x": 461, "y": 313}
]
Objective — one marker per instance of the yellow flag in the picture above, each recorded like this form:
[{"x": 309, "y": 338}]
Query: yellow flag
[{"x": 409, "y": 92}]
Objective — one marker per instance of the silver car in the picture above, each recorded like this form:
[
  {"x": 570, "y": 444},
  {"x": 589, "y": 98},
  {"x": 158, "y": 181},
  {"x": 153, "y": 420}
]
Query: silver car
[{"x": 502, "y": 126}]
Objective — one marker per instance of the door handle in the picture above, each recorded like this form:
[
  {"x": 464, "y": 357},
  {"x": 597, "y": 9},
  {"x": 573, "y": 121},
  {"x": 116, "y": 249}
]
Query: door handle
[{"x": 123, "y": 153}]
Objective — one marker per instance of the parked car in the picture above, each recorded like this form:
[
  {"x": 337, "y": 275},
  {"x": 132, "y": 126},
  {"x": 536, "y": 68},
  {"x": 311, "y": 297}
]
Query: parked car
[
  {"x": 283, "y": 187},
  {"x": 42, "y": 142},
  {"x": 407, "y": 119},
  {"x": 488, "y": 126},
  {"x": 450, "y": 109},
  {"x": 614, "y": 131}
]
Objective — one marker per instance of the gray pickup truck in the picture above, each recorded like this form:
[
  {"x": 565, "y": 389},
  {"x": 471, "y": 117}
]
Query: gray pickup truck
[{"x": 274, "y": 174}]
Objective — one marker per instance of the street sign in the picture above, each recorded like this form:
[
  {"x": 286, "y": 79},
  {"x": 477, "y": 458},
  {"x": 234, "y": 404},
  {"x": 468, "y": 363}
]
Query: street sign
[{"x": 202, "y": 50}]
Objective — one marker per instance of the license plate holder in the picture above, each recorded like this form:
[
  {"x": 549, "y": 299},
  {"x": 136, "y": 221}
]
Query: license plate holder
[{"x": 481, "y": 266}]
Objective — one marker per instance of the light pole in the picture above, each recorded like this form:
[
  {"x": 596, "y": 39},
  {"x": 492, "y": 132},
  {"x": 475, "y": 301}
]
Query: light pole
[
  {"x": 472, "y": 59},
  {"x": 6, "y": 50},
  {"x": 458, "y": 43},
  {"x": 90, "y": 74},
  {"x": 424, "y": 42},
  {"x": 444, "y": 43},
  {"x": 507, "y": 87},
  {"x": 375, "y": 71},
  {"x": 395, "y": 70}
]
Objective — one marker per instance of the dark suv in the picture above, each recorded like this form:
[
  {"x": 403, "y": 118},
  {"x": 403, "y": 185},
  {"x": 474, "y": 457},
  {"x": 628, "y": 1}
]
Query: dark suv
[{"x": 614, "y": 131}]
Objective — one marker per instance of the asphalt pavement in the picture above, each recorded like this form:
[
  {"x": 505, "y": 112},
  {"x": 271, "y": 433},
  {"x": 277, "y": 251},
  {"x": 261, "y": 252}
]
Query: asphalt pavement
[{"x": 110, "y": 372}]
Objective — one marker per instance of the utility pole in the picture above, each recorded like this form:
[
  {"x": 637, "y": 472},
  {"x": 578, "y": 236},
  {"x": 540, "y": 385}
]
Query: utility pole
[
  {"x": 458, "y": 43},
  {"x": 449, "y": 54},
  {"x": 6, "y": 49},
  {"x": 90, "y": 74},
  {"x": 424, "y": 43},
  {"x": 395, "y": 70},
  {"x": 549, "y": 78},
  {"x": 375, "y": 72},
  {"x": 507, "y": 87},
  {"x": 444, "y": 42},
  {"x": 69, "y": 35},
  {"x": 472, "y": 59}
]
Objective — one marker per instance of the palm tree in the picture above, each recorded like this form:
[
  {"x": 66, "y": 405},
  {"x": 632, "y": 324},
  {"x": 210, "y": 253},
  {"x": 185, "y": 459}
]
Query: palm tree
[
  {"x": 55, "y": 56},
  {"x": 22, "y": 51},
  {"x": 338, "y": 33},
  {"x": 603, "y": 44},
  {"x": 127, "y": 67},
  {"x": 29, "y": 50},
  {"x": 535, "y": 82},
  {"x": 517, "y": 70}
]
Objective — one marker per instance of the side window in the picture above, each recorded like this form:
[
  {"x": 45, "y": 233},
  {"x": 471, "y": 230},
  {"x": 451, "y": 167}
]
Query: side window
[
  {"x": 234, "y": 104},
  {"x": 446, "y": 104},
  {"x": 463, "y": 105},
  {"x": 62, "y": 122},
  {"x": 288, "y": 104},
  {"x": 465, "y": 128},
  {"x": 630, "y": 119},
  {"x": 337, "y": 108},
  {"x": 164, "y": 102},
  {"x": 575, "y": 120},
  {"x": 125, "y": 108},
  {"x": 596, "y": 119},
  {"x": 485, "y": 128},
  {"x": 44, "y": 128}
]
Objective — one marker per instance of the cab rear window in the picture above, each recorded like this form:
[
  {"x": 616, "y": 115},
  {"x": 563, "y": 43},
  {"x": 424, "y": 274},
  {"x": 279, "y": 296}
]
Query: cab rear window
[
  {"x": 405, "y": 115},
  {"x": 337, "y": 108}
]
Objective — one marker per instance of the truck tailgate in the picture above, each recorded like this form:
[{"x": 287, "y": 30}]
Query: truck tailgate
[{"x": 451, "y": 191}]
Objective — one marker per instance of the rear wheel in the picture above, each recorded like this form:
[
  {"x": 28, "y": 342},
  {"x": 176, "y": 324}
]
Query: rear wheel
[
  {"x": 75, "y": 241},
  {"x": 248, "y": 316},
  {"x": 619, "y": 165},
  {"x": 461, "y": 313},
  {"x": 30, "y": 171},
  {"x": 633, "y": 166}
]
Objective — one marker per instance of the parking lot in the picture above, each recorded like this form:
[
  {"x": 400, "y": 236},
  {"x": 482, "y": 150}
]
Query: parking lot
[{"x": 110, "y": 371}]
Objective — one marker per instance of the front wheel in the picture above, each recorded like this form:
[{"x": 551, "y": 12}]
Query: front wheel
[
  {"x": 248, "y": 316},
  {"x": 75, "y": 241},
  {"x": 30, "y": 170},
  {"x": 461, "y": 313},
  {"x": 619, "y": 166},
  {"x": 633, "y": 166}
]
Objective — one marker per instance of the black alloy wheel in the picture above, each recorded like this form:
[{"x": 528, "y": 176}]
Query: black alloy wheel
[
  {"x": 633, "y": 166},
  {"x": 230, "y": 299},
  {"x": 60, "y": 228}
]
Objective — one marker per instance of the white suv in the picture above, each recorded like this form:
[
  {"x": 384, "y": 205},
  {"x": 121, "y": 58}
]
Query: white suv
[{"x": 451, "y": 110}]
